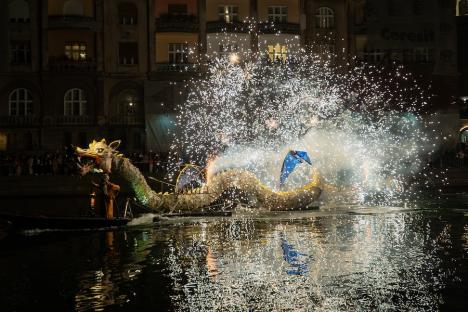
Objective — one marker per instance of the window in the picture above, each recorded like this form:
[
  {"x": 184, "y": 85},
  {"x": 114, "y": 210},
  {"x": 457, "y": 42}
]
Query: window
[
  {"x": 464, "y": 136},
  {"x": 277, "y": 53},
  {"x": 392, "y": 7},
  {"x": 177, "y": 9},
  {"x": 20, "y": 52},
  {"x": 228, "y": 13},
  {"x": 325, "y": 18},
  {"x": 128, "y": 14},
  {"x": 462, "y": 7},
  {"x": 74, "y": 103},
  {"x": 20, "y": 102},
  {"x": 178, "y": 53},
  {"x": 422, "y": 55},
  {"x": 75, "y": 51},
  {"x": 278, "y": 14},
  {"x": 19, "y": 11},
  {"x": 372, "y": 56},
  {"x": 418, "y": 7},
  {"x": 128, "y": 53},
  {"x": 228, "y": 48},
  {"x": 73, "y": 8}
]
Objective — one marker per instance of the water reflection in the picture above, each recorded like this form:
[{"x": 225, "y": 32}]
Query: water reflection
[
  {"x": 361, "y": 259},
  {"x": 386, "y": 261}
]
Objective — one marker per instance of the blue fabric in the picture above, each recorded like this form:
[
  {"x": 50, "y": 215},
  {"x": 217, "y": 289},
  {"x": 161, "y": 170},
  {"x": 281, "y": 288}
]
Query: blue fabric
[
  {"x": 298, "y": 261},
  {"x": 292, "y": 159}
]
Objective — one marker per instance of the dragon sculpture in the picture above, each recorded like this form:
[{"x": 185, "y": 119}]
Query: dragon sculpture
[{"x": 105, "y": 158}]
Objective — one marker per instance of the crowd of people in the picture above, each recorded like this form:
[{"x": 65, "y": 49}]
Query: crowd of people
[
  {"x": 60, "y": 162},
  {"x": 64, "y": 162}
]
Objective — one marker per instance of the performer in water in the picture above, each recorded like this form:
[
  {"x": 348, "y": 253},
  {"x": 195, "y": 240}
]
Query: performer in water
[{"x": 109, "y": 192}]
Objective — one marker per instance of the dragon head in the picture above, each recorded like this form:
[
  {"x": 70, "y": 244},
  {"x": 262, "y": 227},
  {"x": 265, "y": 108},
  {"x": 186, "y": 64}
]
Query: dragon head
[{"x": 97, "y": 157}]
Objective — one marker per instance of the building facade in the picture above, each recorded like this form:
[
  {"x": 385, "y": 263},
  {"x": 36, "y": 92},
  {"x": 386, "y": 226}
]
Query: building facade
[{"x": 74, "y": 70}]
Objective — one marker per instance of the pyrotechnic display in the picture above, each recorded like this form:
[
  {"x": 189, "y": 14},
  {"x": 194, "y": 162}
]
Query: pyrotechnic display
[
  {"x": 362, "y": 128},
  {"x": 234, "y": 155}
]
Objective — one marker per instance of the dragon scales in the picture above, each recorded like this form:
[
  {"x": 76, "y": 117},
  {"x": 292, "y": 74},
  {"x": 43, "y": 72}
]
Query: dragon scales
[{"x": 106, "y": 159}]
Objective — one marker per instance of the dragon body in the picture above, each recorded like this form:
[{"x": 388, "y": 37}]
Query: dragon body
[{"x": 245, "y": 185}]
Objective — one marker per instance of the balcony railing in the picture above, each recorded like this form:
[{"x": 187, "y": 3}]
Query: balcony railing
[
  {"x": 283, "y": 28},
  {"x": 74, "y": 120},
  {"x": 190, "y": 68},
  {"x": 177, "y": 23},
  {"x": 126, "y": 120},
  {"x": 72, "y": 21},
  {"x": 63, "y": 65},
  {"x": 222, "y": 26},
  {"x": 19, "y": 120}
]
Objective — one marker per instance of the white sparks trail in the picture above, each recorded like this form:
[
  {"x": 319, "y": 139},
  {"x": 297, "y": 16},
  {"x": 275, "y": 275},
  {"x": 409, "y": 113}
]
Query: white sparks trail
[{"x": 362, "y": 127}]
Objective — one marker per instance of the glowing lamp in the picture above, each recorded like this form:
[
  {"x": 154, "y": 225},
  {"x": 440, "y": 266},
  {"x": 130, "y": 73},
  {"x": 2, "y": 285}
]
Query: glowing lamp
[{"x": 233, "y": 58}]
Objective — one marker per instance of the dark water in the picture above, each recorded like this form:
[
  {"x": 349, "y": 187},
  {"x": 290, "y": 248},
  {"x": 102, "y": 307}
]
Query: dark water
[{"x": 335, "y": 259}]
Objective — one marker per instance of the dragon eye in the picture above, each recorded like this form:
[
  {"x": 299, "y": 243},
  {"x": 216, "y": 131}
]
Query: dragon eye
[{"x": 100, "y": 150}]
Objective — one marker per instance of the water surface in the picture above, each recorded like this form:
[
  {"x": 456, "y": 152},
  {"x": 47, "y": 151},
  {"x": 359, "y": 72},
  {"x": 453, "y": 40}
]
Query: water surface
[{"x": 335, "y": 259}]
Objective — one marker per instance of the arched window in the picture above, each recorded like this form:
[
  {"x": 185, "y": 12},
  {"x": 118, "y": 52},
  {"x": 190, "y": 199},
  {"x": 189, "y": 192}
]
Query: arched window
[
  {"x": 325, "y": 18},
  {"x": 462, "y": 7},
  {"x": 464, "y": 135},
  {"x": 73, "y": 8},
  {"x": 19, "y": 11},
  {"x": 129, "y": 103},
  {"x": 20, "y": 102},
  {"x": 128, "y": 13},
  {"x": 74, "y": 103}
]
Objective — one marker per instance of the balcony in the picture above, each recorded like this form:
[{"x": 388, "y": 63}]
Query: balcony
[
  {"x": 72, "y": 21},
  {"x": 222, "y": 26},
  {"x": 19, "y": 120},
  {"x": 177, "y": 23},
  {"x": 66, "y": 65},
  {"x": 283, "y": 28},
  {"x": 129, "y": 120},
  {"x": 188, "y": 68},
  {"x": 73, "y": 120}
]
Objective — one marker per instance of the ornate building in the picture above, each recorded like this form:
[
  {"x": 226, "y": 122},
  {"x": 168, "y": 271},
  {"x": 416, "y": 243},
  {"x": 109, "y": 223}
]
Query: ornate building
[{"x": 73, "y": 70}]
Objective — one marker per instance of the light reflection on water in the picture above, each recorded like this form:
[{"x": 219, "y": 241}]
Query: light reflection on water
[{"x": 359, "y": 259}]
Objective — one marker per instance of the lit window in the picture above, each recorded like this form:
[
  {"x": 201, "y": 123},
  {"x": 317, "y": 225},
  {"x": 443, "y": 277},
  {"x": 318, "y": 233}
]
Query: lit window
[
  {"x": 20, "y": 102},
  {"x": 128, "y": 13},
  {"x": 128, "y": 53},
  {"x": 464, "y": 136},
  {"x": 277, "y": 53},
  {"x": 325, "y": 18},
  {"x": 20, "y": 53},
  {"x": 74, "y": 103},
  {"x": 228, "y": 13},
  {"x": 278, "y": 14},
  {"x": 178, "y": 53},
  {"x": 75, "y": 51}
]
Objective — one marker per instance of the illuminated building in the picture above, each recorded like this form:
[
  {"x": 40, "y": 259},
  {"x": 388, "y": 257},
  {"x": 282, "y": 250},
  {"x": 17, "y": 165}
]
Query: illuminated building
[{"x": 73, "y": 70}]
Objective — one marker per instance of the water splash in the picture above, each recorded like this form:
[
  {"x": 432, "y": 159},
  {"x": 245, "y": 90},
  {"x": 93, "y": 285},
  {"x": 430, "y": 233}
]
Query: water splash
[{"x": 362, "y": 126}]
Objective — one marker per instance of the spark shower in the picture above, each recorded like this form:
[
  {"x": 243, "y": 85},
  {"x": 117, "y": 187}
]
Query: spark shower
[{"x": 363, "y": 126}]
